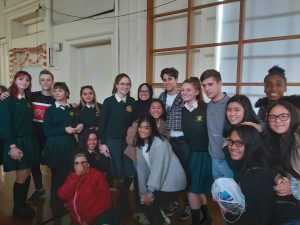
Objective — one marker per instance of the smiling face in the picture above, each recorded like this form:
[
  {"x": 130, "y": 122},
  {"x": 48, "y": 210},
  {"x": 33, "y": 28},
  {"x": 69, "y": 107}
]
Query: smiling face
[
  {"x": 275, "y": 87},
  {"x": 156, "y": 110},
  {"x": 144, "y": 130},
  {"x": 123, "y": 87},
  {"x": 170, "y": 84},
  {"x": 88, "y": 96},
  {"x": 144, "y": 93},
  {"x": 279, "y": 119},
  {"x": 235, "y": 113},
  {"x": 92, "y": 141},
  {"x": 22, "y": 83},
  {"x": 237, "y": 147},
  {"x": 189, "y": 93}
]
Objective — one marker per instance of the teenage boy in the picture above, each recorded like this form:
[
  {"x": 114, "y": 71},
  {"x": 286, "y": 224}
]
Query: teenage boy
[
  {"x": 41, "y": 100},
  {"x": 172, "y": 99},
  {"x": 211, "y": 82}
]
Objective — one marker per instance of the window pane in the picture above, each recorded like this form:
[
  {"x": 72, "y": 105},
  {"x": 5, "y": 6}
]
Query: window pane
[
  {"x": 166, "y": 32},
  {"x": 260, "y": 57},
  {"x": 222, "y": 58},
  {"x": 202, "y": 2},
  {"x": 257, "y": 92},
  {"x": 169, "y": 59},
  {"x": 162, "y": 6},
  {"x": 216, "y": 24},
  {"x": 270, "y": 18}
]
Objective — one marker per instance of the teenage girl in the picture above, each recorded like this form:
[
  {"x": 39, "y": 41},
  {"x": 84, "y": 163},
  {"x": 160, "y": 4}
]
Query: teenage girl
[
  {"x": 60, "y": 125},
  {"x": 20, "y": 143},
  {"x": 88, "y": 110},
  {"x": 194, "y": 127},
  {"x": 160, "y": 174},
  {"x": 158, "y": 112},
  {"x": 283, "y": 137},
  {"x": 274, "y": 87},
  {"x": 140, "y": 110},
  {"x": 113, "y": 124},
  {"x": 90, "y": 146}
]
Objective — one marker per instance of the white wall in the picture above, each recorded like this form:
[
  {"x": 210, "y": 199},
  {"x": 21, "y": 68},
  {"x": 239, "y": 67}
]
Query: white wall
[{"x": 126, "y": 35}]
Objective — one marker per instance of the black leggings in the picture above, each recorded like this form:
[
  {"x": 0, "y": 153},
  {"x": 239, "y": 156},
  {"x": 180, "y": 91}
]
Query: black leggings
[{"x": 161, "y": 200}]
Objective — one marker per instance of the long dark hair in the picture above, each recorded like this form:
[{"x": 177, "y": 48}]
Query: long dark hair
[
  {"x": 83, "y": 142},
  {"x": 282, "y": 144},
  {"x": 154, "y": 132},
  {"x": 249, "y": 114},
  {"x": 164, "y": 113},
  {"x": 255, "y": 153}
]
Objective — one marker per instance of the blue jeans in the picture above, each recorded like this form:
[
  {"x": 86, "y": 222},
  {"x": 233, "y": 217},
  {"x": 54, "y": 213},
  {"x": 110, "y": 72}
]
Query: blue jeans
[{"x": 220, "y": 168}]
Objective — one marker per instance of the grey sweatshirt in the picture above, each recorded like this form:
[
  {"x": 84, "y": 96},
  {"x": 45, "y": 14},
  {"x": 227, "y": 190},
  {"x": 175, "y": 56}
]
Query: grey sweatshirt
[
  {"x": 164, "y": 172},
  {"x": 215, "y": 123}
]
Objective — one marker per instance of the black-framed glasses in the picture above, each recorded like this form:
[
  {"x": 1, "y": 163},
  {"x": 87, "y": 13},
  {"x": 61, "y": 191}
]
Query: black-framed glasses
[
  {"x": 237, "y": 143},
  {"x": 144, "y": 91},
  {"x": 282, "y": 117},
  {"x": 82, "y": 162}
]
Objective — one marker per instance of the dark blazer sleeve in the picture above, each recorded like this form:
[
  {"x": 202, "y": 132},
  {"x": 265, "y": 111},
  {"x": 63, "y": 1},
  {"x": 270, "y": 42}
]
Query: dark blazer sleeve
[
  {"x": 103, "y": 118},
  {"x": 6, "y": 124}
]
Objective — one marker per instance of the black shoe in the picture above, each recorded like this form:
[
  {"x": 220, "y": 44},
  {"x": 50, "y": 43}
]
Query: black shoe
[
  {"x": 186, "y": 213},
  {"x": 36, "y": 195},
  {"x": 206, "y": 221},
  {"x": 26, "y": 212}
]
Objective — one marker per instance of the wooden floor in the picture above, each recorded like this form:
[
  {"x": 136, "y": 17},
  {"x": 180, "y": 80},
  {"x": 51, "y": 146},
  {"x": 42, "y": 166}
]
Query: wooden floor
[{"x": 44, "y": 213}]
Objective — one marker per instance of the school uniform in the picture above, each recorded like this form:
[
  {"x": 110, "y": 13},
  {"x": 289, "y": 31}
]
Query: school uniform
[
  {"x": 60, "y": 146},
  {"x": 113, "y": 125},
  {"x": 194, "y": 127},
  {"x": 95, "y": 160},
  {"x": 16, "y": 128},
  {"x": 89, "y": 116}
]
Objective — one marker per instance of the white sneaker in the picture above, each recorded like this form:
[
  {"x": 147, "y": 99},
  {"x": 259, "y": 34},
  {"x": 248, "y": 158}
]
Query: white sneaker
[
  {"x": 166, "y": 218},
  {"x": 141, "y": 218}
]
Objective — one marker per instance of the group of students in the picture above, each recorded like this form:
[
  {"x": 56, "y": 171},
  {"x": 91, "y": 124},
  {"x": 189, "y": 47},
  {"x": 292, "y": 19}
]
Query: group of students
[{"x": 174, "y": 143}]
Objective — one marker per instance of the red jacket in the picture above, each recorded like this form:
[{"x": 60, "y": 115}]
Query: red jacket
[{"x": 87, "y": 196}]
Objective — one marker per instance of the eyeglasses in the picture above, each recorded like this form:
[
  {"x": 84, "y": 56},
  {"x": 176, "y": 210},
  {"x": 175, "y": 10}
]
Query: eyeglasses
[
  {"x": 144, "y": 91},
  {"x": 282, "y": 117},
  {"x": 237, "y": 143},
  {"x": 82, "y": 162}
]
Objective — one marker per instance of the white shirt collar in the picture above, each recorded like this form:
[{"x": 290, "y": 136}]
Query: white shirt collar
[
  {"x": 90, "y": 151},
  {"x": 21, "y": 96},
  {"x": 120, "y": 99},
  {"x": 192, "y": 107},
  {"x": 58, "y": 105},
  {"x": 90, "y": 106}
]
